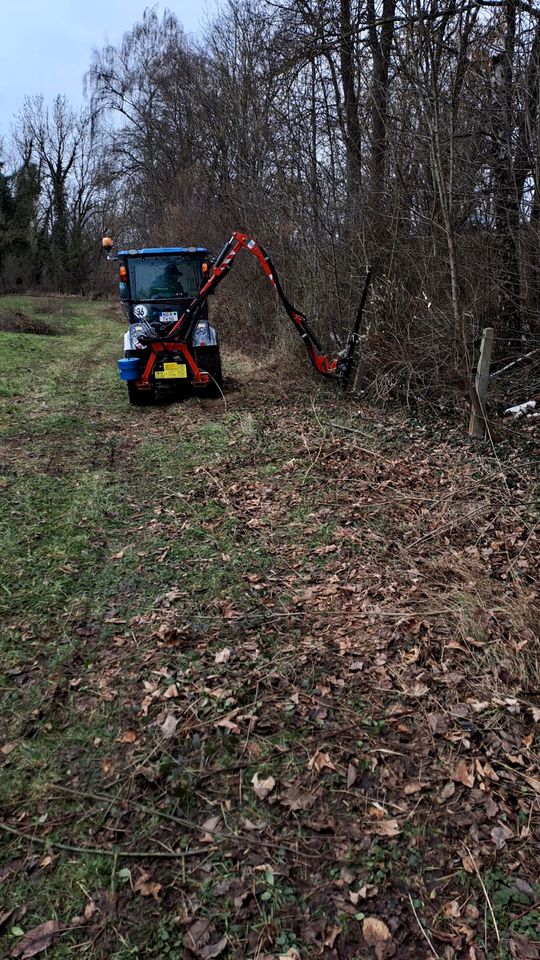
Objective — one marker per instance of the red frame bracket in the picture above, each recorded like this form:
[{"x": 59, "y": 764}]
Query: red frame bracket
[{"x": 200, "y": 379}]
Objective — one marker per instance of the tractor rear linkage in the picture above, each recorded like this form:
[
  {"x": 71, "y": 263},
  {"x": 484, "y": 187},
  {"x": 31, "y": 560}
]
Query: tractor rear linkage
[{"x": 179, "y": 335}]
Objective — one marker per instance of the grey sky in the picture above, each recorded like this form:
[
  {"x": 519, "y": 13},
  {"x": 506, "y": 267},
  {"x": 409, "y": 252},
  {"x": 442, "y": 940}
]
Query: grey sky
[{"x": 45, "y": 45}]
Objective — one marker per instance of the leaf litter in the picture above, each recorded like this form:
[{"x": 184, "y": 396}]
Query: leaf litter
[{"x": 351, "y": 730}]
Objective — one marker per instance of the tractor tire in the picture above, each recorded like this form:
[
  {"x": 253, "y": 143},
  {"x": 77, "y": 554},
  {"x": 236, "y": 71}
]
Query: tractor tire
[
  {"x": 209, "y": 360},
  {"x": 140, "y": 398}
]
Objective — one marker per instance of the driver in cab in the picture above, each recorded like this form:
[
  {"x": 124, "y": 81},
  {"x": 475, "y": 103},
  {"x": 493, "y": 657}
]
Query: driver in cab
[{"x": 168, "y": 283}]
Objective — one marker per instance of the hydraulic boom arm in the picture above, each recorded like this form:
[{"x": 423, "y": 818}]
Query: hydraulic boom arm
[{"x": 339, "y": 366}]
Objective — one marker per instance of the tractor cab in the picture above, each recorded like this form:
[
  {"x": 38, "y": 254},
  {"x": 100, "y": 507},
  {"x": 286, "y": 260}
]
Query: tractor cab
[{"x": 156, "y": 286}]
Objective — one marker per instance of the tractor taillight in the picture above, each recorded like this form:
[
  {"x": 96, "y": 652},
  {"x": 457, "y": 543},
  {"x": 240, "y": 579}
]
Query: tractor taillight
[{"x": 123, "y": 273}]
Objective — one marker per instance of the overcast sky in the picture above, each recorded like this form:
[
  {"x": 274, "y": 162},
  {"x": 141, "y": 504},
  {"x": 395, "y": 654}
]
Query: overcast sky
[{"x": 45, "y": 45}]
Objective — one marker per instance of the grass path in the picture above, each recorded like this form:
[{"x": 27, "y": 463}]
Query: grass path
[{"x": 269, "y": 669}]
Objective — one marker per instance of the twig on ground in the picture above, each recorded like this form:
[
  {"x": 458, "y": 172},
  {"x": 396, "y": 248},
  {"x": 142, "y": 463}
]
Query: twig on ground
[
  {"x": 448, "y": 526},
  {"x": 484, "y": 891},
  {"x": 422, "y": 928},
  {"x": 162, "y": 814},
  {"x": 103, "y": 851}
]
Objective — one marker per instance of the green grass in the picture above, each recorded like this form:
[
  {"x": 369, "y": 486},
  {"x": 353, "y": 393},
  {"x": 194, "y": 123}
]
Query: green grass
[{"x": 94, "y": 493}]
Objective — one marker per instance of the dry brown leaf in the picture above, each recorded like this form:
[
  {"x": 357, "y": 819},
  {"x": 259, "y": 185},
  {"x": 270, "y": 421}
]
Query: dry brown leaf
[
  {"x": 169, "y": 726},
  {"x": 214, "y": 949},
  {"x": 352, "y": 773},
  {"x": 375, "y": 931},
  {"x": 387, "y": 828},
  {"x": 330, "y": 936},
  {"x": 4, "y": 917},
  {"x": 522, "y": 948},
  {"x": 452, "y": 909},
  {"x": 438, "y": 723},
  {"x": 447, "y": 792},
  {"x": 37, "y": 940},
  {"x": 263, "y": 787},
  {"x": 89, "y": 909},
  {"x": 463, "y": 773},
  {"x": 320, "y": 761},
  {"x": 129, "y": 736},
  {"x": 297, "y": 797},
  {"x": 209, "y": 828},
  {"x": 171, "y": 692},
  {"x": 222, "y": 656},
  {"x": 107, "y": 767},
  {"x": 197, "y": 936},
  {"x": 486, "y": 770},
  {"x": 479, "y": 705},
  {"x": 500, "y": 835},
  {"x": 146, "y": 886},
  {"x": 7, "y": 748},
  {"x": 414, "y": 786},
  {"x": 227, "y": 724}
]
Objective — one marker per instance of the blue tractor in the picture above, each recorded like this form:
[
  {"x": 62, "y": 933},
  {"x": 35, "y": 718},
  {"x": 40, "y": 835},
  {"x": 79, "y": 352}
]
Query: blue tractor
[
  {"x": 157, "y": 286},
  {"x": 170, "y": 344}
]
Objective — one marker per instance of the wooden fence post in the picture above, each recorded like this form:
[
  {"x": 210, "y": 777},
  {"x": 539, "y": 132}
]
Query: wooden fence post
[{"x": 477, "y": 423}]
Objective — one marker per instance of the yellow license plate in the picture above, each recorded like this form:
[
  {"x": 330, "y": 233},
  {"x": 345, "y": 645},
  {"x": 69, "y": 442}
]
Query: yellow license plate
[{"x": 172, "y": 371}]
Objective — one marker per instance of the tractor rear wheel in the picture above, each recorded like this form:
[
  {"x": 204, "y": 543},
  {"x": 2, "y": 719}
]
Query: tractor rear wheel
[
  {"x": 140, "y": 398},
  {"x": 209, "y": 361}
]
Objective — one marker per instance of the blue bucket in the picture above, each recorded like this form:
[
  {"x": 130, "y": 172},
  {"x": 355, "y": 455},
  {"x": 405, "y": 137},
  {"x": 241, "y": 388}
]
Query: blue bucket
[{"x": 129, "y": 368}]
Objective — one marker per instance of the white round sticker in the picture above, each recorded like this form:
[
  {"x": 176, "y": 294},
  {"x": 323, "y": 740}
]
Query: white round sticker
[{"x": 140, "y": 311}]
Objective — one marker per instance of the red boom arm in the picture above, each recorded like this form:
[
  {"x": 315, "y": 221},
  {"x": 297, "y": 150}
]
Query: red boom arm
[
  {"x": 240, "y": 241},
  {"x": 338, "y": 366}
]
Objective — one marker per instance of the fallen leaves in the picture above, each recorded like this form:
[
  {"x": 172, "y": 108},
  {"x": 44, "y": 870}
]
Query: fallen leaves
[
  {"x": 296, "y": 796},
  {"x": 375, "y": 931},
  {"x": 146, "y": 886},
  {"x": 500, "y": 835},
  {"x": 222, "y": 656},
  {"x": 37, "y": 940},
  {"x": 387, "y": 828},
  {"x": 209, "y": 829},
  {"x": 352, "y": 774},
  {"x": 463, "y": 773},
  {"x": 446, "y": 792},
  {"x": 263, "y": 787},
  {"x": 371, "y": 720},
  {"x": 169, "y": 725},
  {"x": 414, "y": 786},
  {"x": 228, "y": 723},
  {"x": 198, "y": 940},
  {"x": 522, "y": 948},
  {"x": 320, "y": 761},
  {"x": 129, "y": 736}
]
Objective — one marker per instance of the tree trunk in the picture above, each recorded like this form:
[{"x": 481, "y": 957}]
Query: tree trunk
[
  {"x": 506, "y": 204},
  {"x": 381, "y": 48},
  {"x": 353, "y": 130}
]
